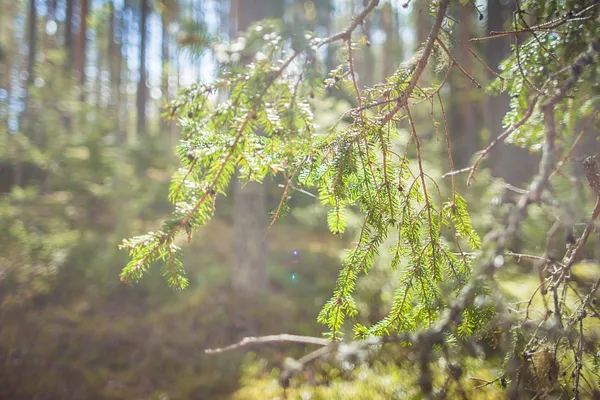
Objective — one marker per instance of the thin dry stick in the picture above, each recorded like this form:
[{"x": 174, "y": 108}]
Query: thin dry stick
[
  {"x": 285, "y": 191},
  {"x": 454, "y": 62},
  {"x": 528, "y": 256},
  {"x": 568, "y": 156},
  {"x": 476, "y": 57},
  {"x": 437, "y": 90},
  {"x": 270, "y": 339},
  {"x": 458, "y": 171},
  {"x": 448, "y": 145}
]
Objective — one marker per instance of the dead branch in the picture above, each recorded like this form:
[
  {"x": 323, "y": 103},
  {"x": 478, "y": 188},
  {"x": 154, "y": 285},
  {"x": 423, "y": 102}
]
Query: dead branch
[{"x": 270, "y": 339}]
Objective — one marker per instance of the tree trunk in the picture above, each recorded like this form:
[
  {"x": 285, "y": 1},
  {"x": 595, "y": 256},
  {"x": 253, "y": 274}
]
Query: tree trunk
[
  {"x": 392, "y": 47},
  {"x": 68, "y": 43},
  {"x": 48, "y": 39},
  {"x": 367, "y": 58},
  {"x": 6, "y": 52},
  {"x": 7, "y": 39},
  {"x": 142, "y": 89},
  {"x": 32, "y": 38},
  {"x": 164, "y": 122},
  {"x": 249, "y": 269},
  {"x": 123, "y": 110},
  {"x": 422, "y": 20},
  {"x": 464, "y": 127},
  {"x": 80, "y": 55},
  {"x": 114, "y": 56}
]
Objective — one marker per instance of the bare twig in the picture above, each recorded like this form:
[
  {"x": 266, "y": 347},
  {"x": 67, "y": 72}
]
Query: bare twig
[
  {"x": 247, "y": 341},
  {"x": 454, "y": 62},
  {"x": 502, "y": 137},
  {"x": 285, "y": 192},
  {"x": 474, "y": 54},
  {"x": 569, "y": 154}
]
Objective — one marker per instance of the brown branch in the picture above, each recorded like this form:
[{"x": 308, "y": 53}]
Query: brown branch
[
  {"x": 485, "y": 382},
  {"x": 493, "y": 259},
  {"x": 421, "y": 62},
  {"x": 346, "y": 33}
]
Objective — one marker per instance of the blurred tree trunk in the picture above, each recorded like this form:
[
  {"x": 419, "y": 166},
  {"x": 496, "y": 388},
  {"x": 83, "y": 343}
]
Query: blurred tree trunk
[
  {"x": 114, "y": 56},
  {"x": 165, "y": 19},
  {"x": 367, "y": 58},
  {"x": 102, "y": 33},
  {"x": 422, "y": 21},
  {"x": 508, "y": 162},
  {"x": 68, "y": 42},
  {"x": 125, "y": 72},
  {"x": 249, "y": 269},
  {"x": 32, "y": 41},
  {"x": 387, "y": 20},
  {"x": 80, "y": 55},
  {"x": 48, "y": 39},
  {"x": 6, "y": 49},
  {"x": 463, "y": 107},
  {"x": 142, "y": 92}
]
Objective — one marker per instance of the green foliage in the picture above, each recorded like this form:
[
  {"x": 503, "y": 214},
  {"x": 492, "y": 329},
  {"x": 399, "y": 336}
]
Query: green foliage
[
  {"x": 539, "y": 65},
  {"x": 267, "y": 127},
  {"x": 378, "y": 380},
  {"x": 365, "y": 166},
  {"x": 73, "y": 195}
]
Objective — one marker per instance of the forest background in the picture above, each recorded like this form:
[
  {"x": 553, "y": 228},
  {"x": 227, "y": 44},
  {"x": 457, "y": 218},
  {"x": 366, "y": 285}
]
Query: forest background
[{"x": 87, "y": 151}]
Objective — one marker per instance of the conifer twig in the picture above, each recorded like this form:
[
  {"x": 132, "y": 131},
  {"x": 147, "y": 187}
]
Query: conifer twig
[{"x": 546, "y": 26}]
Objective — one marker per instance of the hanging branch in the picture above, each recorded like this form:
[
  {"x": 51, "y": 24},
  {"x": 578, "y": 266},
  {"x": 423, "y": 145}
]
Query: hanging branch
[{"x": 422, "y": 342}]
